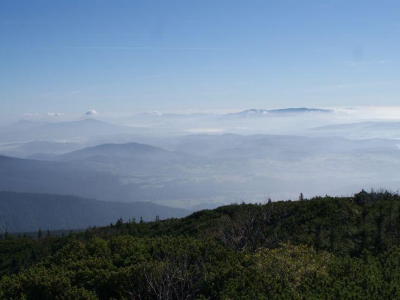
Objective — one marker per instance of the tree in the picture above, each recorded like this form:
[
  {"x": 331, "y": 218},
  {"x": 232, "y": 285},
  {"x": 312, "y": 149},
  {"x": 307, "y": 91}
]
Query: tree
[{"x": 40, "y": 233}]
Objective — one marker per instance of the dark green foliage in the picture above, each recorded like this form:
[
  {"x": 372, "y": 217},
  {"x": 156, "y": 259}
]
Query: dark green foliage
[{"x": 323, "y": 248}]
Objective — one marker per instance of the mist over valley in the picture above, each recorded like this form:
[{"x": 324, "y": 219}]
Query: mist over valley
[{"x": 203, "y": 160}]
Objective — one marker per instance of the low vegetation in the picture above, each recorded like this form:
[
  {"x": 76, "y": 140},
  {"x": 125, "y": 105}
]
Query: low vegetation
[{"x": 321, "y": 248}]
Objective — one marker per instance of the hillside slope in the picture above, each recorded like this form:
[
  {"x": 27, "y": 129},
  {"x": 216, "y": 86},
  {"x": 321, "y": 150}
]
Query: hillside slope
[
  {"x": 324, "y": 248},
  {"x": 28, "y": 212}
]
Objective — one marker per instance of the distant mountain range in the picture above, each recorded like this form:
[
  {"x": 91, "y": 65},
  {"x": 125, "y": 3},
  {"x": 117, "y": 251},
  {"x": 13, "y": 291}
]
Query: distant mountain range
[
  {"x": 249, "y": 112},
  {"x": 20, "y": 212},
  {"x": 199, "y": 167},
  {"x": 99, "y": 160},
  {"x": 283, "y": 111},
  {"x": 149, "y": 125}
]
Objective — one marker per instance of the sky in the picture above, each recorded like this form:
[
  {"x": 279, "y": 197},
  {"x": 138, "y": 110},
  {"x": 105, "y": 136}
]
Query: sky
[{"x": 72, "y": 56}]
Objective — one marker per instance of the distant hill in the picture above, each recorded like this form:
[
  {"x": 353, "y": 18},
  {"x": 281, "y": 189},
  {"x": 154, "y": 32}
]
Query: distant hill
[
  {"x": 21, "y": 212},
  {"x": 107, "y": 178},
  {"x": 26, "y": 175},
  {"x": 127, "y": 150},
  {"x": 131, "y": 159}
]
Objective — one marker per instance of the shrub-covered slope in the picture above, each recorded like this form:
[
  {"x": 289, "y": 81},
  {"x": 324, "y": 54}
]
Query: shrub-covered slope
[{"x": 323, "y": 248}]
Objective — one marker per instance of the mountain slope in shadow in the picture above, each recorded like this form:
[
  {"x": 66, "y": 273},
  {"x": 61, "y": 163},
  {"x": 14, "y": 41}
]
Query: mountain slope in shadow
[{"x": 21, "y": 212}]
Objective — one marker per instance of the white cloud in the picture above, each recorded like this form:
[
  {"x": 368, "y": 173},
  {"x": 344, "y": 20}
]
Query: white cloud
[
  {"x": 378, "y": 112},
  {"x": 52, "y": 114},
  {"x": 30, "y": 115},
  {"x": 91, "y": 112}
]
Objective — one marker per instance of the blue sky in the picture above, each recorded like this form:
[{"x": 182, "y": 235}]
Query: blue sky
[{"x": 126, "y": 56}]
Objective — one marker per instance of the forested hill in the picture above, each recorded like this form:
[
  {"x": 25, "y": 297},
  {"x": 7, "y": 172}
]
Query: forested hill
[
  {"x": 30, "y": 211},
  {"x": 322, "y": 248}
]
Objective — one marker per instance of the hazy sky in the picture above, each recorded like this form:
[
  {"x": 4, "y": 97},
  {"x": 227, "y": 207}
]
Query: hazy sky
[{"x": 72, "y": 56}]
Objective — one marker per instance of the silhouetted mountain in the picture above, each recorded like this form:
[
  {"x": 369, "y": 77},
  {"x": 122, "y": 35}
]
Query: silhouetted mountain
[{"x": 29, "y": 211}]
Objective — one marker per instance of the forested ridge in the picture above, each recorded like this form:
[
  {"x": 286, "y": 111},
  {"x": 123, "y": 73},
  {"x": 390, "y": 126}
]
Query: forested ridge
[
  {"x": 319, "y": 248},
  {"x": 24, "y": 212}
]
